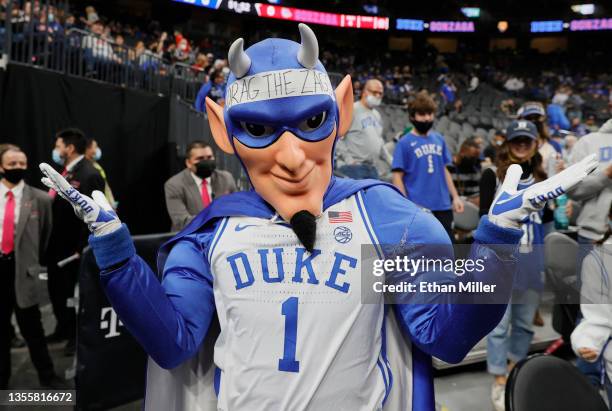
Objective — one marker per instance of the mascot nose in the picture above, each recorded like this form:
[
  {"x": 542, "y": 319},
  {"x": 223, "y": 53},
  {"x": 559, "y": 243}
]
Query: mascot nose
[{"x": 290, "y": 155}]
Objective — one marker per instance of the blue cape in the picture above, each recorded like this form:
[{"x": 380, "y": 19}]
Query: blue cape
[{"x": 250, "y": 204}]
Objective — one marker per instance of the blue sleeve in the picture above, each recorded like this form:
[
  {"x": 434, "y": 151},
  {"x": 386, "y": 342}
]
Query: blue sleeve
[
  {"x": 200, "y": 103},
  {"x": 398, "y": 157},
  {"x": 564, "y": 122},
  {"x": 441, "y": 326},
  {"x": 170, "y": 319}
]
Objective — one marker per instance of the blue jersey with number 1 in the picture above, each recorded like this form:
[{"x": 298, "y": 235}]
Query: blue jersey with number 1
[{"x": 423, "y": 161}]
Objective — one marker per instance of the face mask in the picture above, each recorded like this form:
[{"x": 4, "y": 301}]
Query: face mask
[
  {"x": 499, "y": 143},
  {"x": 373, "y": 101},
  {"x": 469, "y": 161},
  {"x": 205, "y": 168},
  {"x": 98, "y": 154},
  {"x": 57, "y": 158},
  {"x": 422, "y": 126},
  {"x": 14, "y": 175}
]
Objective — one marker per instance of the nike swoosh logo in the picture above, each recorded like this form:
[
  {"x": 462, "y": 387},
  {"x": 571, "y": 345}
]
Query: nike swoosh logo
[
  {"x": 242, "y": 227},
  {"x": 504, "y": 201}
]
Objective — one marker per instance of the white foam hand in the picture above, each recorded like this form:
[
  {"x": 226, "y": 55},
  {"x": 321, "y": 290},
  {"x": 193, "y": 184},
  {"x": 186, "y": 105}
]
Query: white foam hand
[
  {"x": 96, "y": 212},
  {"x": 511, "y": 207}
]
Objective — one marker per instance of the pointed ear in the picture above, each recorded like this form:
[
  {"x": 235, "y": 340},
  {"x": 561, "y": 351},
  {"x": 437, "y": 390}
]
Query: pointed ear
[
  {"x": 217, "y": 126},
  {"x": 344, "y": 99}
]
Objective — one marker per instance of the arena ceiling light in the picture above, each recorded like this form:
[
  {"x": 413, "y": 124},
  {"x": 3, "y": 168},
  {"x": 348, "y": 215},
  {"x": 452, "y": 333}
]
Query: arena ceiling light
[
  {"x": 502, "y": 26},
  {"x": 584, "y": 9},
  {"x": 471, "y": 12}
]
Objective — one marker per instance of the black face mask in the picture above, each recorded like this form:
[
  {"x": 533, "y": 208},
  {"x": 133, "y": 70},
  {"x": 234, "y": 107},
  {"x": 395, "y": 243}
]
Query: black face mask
[
  {"x": 14, "y": 175},
  {"x": 422, "y": 126},
  {"x": 469, "y": 162},
  {"x": 205, "y": 168}
]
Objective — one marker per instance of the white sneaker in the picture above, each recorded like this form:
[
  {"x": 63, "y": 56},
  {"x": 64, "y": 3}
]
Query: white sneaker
[{"x": 498, "y": 396}]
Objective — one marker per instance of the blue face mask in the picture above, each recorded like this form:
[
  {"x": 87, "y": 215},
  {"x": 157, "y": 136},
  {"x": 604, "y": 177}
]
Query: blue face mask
[
  {"x": 57, "y": 159},
  {"x": 98, "y": 155}
]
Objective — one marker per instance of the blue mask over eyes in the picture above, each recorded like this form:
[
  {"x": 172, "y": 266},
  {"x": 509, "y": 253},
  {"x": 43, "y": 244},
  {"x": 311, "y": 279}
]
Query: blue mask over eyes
[
  {"x": 310, "y": 122},
  {"x": 278, "y": 86}
]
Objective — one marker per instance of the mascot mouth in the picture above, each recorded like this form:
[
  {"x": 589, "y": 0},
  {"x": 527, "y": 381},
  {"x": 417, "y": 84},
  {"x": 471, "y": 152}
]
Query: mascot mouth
[{"x": 294, "y": 182}]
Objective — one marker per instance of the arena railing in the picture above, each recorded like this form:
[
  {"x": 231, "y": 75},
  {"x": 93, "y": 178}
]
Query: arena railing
[
  {"x": 187, "y": 80},
  {"x": 32, "y": 36}
]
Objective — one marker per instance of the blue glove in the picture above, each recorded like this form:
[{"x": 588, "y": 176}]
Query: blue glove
[
  {"x": 96, "y": 212},
  {"x": 511, "y": 207}
]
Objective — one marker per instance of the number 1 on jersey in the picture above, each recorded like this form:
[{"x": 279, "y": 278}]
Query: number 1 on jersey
[{"x": 290, "y": 311}]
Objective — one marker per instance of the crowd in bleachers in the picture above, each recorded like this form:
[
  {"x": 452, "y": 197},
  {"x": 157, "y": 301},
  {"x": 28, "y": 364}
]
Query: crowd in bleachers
[{"x": 86, "y": 43}]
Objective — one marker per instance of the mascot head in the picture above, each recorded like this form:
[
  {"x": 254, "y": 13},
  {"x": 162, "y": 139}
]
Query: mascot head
[{"x": 281, "y": 118}]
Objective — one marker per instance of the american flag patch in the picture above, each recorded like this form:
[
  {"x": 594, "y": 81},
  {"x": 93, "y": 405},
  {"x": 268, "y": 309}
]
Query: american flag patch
[{"x": 340, "y": 217}]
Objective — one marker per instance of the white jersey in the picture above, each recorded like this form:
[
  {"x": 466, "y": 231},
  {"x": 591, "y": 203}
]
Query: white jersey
[{"x": 294, "y": 333}]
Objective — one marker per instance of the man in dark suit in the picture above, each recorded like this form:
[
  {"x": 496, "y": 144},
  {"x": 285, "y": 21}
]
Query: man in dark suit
[
  {"x": 189, "y": 191},
  {"x": 25, "y": 227},
  {"x": 70, "y": 237}
]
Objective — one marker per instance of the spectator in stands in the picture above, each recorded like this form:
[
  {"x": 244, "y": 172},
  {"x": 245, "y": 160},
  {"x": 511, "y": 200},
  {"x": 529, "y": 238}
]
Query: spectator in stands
[
  {"x": 25, "y": 225},
  {"x": 213, "y": 89},
  {"x": 419, "y": 165},
  {"x": 357, "y": 87},
  {"x": 507, "y": 345},
  {"x": 590, "y": 124},
  {"x": 573, "y": 106},
  {"x": 578, "y": 128},
  {"x": 91, "y": 16},
  {"x": 448, "y": 92},
  {"x": 534, "y": 112},
  {"x": 93, "y": 153},
  {"x": 562, "y": 95},
  {"x": 359, "y": 151},
  {"x": 466, "y": 170},
  {"x": 70, "y": 237},
  {"x": 490, "y": 152},
  {"x": 596, "y": 196},
  {"x": 514, "y": 84},
  {"x": 99, "y": 47},
  {"x": 508, "y": 107},
  {"x": 474, "y": 82},
  {"x": 182, "y": 51},
  {"x": 69, "y": 22},
  {"x": 49, "y": 23},
  {"x": 568, "y": 145},
  {"x": 145, "y": 58},
  {"x": 200, "y": 65},
  {"x": 557, "y": 120},
  {"x": 591, "y": 338},
  {"x": 194, "y": 188},
  {"x": 124, "y": 53}
]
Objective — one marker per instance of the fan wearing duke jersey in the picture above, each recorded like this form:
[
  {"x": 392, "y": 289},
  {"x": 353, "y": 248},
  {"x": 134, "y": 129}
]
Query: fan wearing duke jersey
[
  {"x": 280, "y": 266},
  {"x": 419, "y": 165},
  {"x": 423, "y": 161}
]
